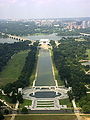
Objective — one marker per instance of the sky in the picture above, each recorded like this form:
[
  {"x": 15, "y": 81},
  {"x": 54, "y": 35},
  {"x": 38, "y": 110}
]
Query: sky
[{"x": 28, "y": 9}]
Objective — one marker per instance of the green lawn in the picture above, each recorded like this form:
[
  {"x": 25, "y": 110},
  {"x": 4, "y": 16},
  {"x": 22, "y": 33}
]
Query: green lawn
[
  {"x": 12, "y": 71},
  {"x": 88, "y": 95},
  {"x": 65, "y": 102},
  {"x": 26, "y": 103},
  {"x": 32, "y": 78},
  {"x": 88, "y": 53},
  {"x": 46, "y": 117},
  {"x": 57, "y": 77}
]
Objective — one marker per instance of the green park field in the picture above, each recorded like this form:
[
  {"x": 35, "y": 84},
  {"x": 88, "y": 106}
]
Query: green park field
[
  {"x": 12, "y": 70},
  {"x": 65, "y": 102},
  {"x": 26, "y": 103}
]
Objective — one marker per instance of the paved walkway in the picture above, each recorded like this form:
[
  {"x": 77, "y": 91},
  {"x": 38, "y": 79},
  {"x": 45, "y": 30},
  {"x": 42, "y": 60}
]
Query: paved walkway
[
  {"x": 76, "y": 111},
  {"x": 16, "y": 107},
  {"x": 3, "y": 101}
]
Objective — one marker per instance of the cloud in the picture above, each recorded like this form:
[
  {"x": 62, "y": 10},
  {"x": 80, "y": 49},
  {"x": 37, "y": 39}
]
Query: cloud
[
  {"x": 45, "y": 8},
  {"x": 8, "y": 1}
]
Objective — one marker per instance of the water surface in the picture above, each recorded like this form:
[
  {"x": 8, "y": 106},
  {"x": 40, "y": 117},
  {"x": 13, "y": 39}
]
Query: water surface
[
  {"x": 50, "y": 37},
  {"x": 44, "y": 69},
  {"x": 7, "y": 40}
]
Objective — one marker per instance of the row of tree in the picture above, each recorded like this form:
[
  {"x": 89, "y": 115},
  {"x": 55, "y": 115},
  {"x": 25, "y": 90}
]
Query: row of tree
[
  {"x": 8, "y": 50},
  {"x": 66, "y": 58},
  {"x": 11, "y": 89},
  {"x": 85, "y": 104},
  {"x": 20, "y": 28},
  {"x": 24, "y": 28},
  {"x": 74, "y": 32}
]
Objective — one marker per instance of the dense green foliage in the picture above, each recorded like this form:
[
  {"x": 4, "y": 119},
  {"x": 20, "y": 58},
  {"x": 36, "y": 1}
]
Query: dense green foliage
[
  {"x": 6, "y": 53},
  {"x": 30, "y": 27},
  {"x": 12, "y": 70},
  {"x": 85, "y": 103},
  {"x": 24, "y": 79},
  {"x": 66, "y": 58},
  {"x": 74, "y": 32},
  {"x": 24, "y": 110},
  {"x": 23, "y": 28},
  {"x": 1, "y": 115},
  {"x": 20, "y": 28},
  {"x": 68, "y": 33},
  {"x": 52, "y": 42},
  {"x": 7, "y": 50},
  {"x": 28, "y": 68}
]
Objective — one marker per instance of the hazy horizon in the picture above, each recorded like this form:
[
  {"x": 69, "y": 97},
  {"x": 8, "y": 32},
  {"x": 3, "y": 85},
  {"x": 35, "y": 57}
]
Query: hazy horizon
[{"x": 29, "y": 9}]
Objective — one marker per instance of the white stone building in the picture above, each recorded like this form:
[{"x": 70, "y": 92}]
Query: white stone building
[{"x": 44, "y": 41}]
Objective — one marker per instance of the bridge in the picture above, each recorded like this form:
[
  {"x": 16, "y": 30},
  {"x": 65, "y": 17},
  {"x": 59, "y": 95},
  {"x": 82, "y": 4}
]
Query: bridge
[
  {"x": 85, "y": 34},
  {"x": 19, "y": 38}
]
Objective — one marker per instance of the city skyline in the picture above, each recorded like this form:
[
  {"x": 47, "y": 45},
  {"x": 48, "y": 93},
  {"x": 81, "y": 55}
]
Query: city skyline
[{"x": 28, "y": 9}]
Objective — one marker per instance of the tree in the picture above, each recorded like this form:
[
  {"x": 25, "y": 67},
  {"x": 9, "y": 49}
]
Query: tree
[
  {"x": 24, "y": 110},
  {"x": 8, "y": 88},
  {"x": 1, "y": 116},
  {"x": 79, "y": 90},
  {"x": 13, "y": 98},
  {"x": 70, "y": 95},
  {"x": 6, "y": 111},
  {"x": 19, "y": 98},
  {"x": 86, "y": 109},
  {"x": 82, "y": 102},
  {"x": 1, "y": 104},
  {"x": 52, "y": 42}
]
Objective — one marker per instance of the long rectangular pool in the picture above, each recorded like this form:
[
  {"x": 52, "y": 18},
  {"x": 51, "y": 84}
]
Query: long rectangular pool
[{"x": 44, "y": 69}]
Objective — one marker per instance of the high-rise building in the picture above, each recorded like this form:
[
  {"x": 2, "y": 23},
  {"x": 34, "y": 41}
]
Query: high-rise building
[{"x": 83, "y": 24}]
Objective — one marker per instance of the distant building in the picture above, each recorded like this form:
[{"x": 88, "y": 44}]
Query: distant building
[
  {"x": 85, "y": 24},
  {"x": 88, "y": 23},
  {"x": 44, "y": 41}
]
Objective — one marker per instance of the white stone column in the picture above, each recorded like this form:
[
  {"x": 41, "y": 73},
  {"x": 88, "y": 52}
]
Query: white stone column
[
  {"x": 56, "y": 93},
  {"x": 33, "y": 93}
]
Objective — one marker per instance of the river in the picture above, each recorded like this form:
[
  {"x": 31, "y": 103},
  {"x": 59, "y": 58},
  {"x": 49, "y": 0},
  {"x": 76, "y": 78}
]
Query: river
[
  {"x": 35, "y": 37},
  {"x": 7, "y": 40},
  {"x": 50, "y": 37},
  {"x": 44, "y": 69}
]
